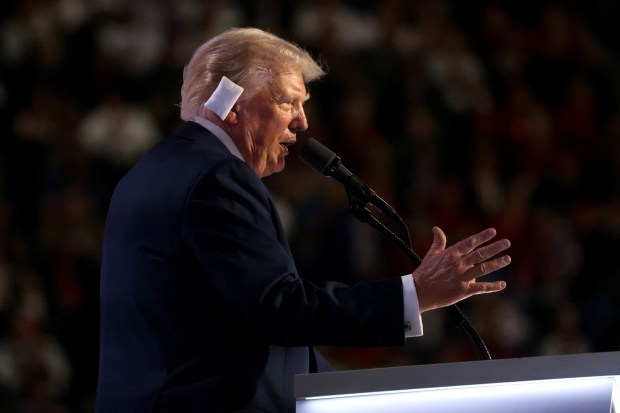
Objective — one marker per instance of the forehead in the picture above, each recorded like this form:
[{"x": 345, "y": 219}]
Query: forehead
[{"x": 288, "y": 82}]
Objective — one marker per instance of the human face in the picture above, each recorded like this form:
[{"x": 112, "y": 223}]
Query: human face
[{"x": 270, "y": 119}]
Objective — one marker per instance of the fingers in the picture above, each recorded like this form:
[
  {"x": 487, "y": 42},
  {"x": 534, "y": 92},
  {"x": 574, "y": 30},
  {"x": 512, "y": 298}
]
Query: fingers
[
  {"x": 472, "y": 242},
  {"x": 486, "y": 267},
  {"x": 483, "y": 253},
  {"x": 486, "y": 287},
  {"x": 439, "y": 241}
]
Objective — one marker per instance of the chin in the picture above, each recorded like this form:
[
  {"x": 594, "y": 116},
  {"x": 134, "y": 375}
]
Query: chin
[
  {"x": 279, "y": 167},
  {"x": 270, "y": 171}
]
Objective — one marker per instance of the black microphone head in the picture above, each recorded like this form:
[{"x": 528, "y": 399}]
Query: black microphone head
[{"x": 317, "y": 155}]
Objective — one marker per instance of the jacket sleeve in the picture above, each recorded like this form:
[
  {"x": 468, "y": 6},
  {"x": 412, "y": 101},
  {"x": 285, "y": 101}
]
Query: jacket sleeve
[{"x": 233, "y": 233}]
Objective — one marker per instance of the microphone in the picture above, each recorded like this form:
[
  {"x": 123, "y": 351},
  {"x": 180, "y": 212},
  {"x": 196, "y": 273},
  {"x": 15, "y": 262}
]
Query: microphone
[{"x": 326, "y": 162}]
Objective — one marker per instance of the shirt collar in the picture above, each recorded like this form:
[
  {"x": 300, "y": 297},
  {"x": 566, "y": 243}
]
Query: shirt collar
[{"x": 220, "y": 134}]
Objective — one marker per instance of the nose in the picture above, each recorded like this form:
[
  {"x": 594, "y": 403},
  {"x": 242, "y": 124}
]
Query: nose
[{"x": 299, "y": 123}]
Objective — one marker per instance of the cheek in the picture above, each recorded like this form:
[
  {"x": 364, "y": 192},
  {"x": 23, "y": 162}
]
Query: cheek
[
  {"x": 273, "y": 134},
  {"x": 252, "y": 128}
]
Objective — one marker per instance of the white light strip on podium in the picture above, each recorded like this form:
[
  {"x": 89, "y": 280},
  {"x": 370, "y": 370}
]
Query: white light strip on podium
[
  {"x": 573, "y": 395},
  {"x": 615, "y": 396}
]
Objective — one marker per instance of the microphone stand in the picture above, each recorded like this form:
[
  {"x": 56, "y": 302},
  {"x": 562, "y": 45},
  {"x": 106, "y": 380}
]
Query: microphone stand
[{"x": 357, "y": 206}]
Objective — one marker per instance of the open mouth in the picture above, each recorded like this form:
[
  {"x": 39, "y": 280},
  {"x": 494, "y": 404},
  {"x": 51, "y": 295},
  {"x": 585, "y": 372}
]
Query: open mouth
[{"x": 285, "y": 145}]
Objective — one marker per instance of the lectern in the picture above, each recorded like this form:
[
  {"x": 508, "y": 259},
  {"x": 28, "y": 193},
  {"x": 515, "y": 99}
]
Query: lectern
[{"x": 579, "y": 383}]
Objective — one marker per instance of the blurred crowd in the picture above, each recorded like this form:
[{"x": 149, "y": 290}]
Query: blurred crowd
[{"x": 460, "y": 114}]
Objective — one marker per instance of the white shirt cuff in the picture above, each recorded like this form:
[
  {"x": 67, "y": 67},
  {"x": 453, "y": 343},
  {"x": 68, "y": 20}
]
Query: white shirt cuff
[{"x": 412, "y": 316}]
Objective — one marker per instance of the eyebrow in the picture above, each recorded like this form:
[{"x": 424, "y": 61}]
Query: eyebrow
[{"x": 279, "y": 96}]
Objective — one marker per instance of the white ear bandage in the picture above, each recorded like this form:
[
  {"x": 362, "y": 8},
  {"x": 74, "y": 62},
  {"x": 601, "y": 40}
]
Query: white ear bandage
[{"x": 224, "y": 97}]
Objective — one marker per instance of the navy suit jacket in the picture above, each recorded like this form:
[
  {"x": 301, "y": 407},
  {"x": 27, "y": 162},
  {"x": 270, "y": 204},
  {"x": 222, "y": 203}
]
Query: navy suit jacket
[{"x": 202, "y": 309}]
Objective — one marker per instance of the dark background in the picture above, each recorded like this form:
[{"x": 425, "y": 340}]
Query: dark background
[{"x": 460, "y": 114}]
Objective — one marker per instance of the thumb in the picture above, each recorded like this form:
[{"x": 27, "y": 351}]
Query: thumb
[{"x": 439, "y": 241}]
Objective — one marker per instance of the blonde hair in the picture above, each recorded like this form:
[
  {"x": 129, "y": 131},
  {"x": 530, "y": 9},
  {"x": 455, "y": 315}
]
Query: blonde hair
[{"x": 247, "y": 56}]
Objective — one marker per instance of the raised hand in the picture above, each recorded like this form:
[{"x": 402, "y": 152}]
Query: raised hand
[{"x": 449, "y": 275}]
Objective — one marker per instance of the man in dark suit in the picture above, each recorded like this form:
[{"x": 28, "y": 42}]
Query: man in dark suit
[{"x": 202, "y": 309}]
